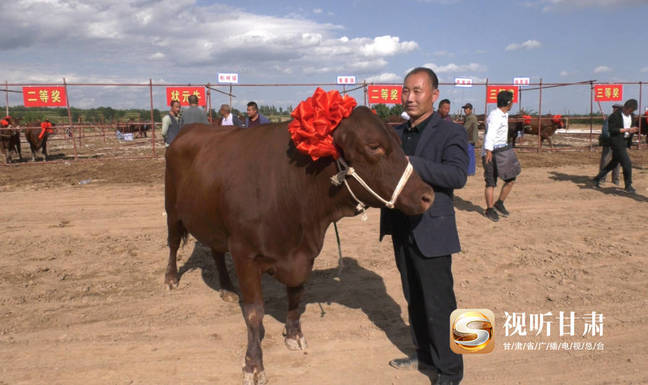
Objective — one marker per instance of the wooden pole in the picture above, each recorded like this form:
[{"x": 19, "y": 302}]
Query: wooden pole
[
  {"x": 152, "y": 118},
  {"x": 591, "y": 113},
  {"x": 7, "y": 97}
]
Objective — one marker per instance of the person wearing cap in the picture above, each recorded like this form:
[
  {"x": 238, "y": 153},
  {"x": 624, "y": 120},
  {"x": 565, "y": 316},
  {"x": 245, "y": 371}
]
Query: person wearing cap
[
  {"x": 621, "y": 132},
  {"x": 495, "y": 140},
  {"x": 606, "y": 152},
  {"x": 194, "y": 114},
  {"x": 472, "y": 129}
]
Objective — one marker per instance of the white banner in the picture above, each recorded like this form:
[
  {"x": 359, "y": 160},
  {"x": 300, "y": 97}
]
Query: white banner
[
  {"x": 463, "y": 82},
  {"x": 228, "y": 77}
]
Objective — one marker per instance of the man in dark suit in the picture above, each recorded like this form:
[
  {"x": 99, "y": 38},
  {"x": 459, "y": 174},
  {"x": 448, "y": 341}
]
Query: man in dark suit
[
  {"x": 621, "y": 132},
  {"x": 423, "y": 244}
]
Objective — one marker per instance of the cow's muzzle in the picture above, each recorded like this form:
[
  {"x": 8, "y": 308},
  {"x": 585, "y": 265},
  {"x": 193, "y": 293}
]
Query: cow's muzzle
[{"x": 345, "y": 171}]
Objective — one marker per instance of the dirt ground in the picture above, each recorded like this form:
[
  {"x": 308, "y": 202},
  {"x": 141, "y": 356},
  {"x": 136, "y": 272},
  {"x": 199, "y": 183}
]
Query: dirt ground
[{"x": 82, "y": 298}]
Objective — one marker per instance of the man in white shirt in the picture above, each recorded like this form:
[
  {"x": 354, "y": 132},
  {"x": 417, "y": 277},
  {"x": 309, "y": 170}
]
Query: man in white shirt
[
  {"x": 228, "y": 119},
  {"x": 496, "y": 138},
  {"x": 171, "y": 123}
]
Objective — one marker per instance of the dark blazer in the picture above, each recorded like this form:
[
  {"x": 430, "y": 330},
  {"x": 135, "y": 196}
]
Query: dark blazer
[
  {"x": 441, "y": 160},
  {"x": 615, "y": 124}
]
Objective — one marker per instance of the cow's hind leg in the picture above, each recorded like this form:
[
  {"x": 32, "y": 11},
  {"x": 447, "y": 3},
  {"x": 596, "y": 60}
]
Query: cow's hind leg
[
  {"x": 294, "y": 338},
  {"x": 227, "y": 291},
  {"x": 249, "y": 275},
  {"x": 177, "y": 233}
]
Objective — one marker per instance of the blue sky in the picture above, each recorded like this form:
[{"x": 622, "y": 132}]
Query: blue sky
[{"x": 190, "y": 41}]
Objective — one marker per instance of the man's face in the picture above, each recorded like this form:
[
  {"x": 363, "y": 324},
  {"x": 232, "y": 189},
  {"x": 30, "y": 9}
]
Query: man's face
[
  {"x": 444, "y": 110},
  {"x": 252, "y": 112},
  {"x": 175, "y": 108},
  {"x": 224, "y": 112},
  {"x": 467, "y": 111},
  {"x": 418, "y": 96},
  {"x": 628, "y": 110}
]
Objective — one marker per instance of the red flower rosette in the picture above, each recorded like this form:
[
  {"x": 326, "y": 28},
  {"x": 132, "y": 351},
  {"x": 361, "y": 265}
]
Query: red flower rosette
[
  {"x": 556, "y": 119},
  {"x": 315, "y": 119}
]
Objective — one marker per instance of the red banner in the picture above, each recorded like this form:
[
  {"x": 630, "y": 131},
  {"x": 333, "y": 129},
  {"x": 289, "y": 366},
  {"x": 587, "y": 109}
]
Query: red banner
[
  {"x": 44, "y": 97},
  {"x": 385, "y": 94},
  {"x": 181, "y": 94},
  {"x": 608, "y": 92},
  {"x": 492, "y": 91}
]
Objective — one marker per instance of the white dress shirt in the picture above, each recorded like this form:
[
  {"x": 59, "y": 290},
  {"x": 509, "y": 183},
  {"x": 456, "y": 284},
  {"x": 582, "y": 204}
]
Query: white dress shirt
[
  {"x": 627, "y": 122},
  {"x": 496, "y": 131},
  {"x": 227, "y": 121}
]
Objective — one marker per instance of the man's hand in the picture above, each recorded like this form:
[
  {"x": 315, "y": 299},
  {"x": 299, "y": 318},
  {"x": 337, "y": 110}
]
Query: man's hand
[
  {"x": 633, "y": 129},
  {"x": 489, "y": 156}
]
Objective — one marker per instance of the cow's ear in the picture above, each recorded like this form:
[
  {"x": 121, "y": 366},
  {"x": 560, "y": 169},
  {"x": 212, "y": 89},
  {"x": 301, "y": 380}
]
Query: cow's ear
[{"x": 340, "y": 134}]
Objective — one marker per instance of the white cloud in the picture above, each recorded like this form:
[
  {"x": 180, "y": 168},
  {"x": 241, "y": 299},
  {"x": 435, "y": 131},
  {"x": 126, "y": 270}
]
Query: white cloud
[
  {"x": 442, "y": 53},
  {"x": 317, "y": 11},
  {"x": 645, "y": 69},
  {"x": 529, "y": 44},
  {"x": 557, "y": 5},
  {"x": 564, "y": 73},
  {"x": 602, "y": 69},
  {"x": 136, "y": 39},
  {"x": 386, "y": 77},
  {"x": 456, "y": 68}
]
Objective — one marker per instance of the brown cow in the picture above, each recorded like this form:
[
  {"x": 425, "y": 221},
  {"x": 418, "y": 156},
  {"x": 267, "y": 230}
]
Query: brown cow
[
  {"x": 250, "y": 191},
  {"x": 37, "y": 138},
  {"x": 529, "y": 125},
  {"x": 9, "y": 139}
]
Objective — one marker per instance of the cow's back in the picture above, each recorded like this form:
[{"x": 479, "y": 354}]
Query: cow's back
[{"x": 220, "y": 181}]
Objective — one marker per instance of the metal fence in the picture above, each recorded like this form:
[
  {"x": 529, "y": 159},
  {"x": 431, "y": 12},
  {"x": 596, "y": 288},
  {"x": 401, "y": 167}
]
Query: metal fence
[{"x": 77, "y": 140}]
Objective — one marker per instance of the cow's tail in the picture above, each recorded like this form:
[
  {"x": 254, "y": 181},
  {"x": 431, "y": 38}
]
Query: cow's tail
[{"x": 184, "y": 234}]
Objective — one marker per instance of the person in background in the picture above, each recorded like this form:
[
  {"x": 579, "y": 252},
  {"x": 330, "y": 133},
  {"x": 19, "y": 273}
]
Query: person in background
[
  {"x": 194, "y": 114},
  {"x": 254, "y": 118},
  {"x": 171, "y": 123},
  {"x": 472, "y": 129},
  {"x": 444, "y": 109},
  {"x": 496, "y": 138},
  {"x": 606, "y": 151},
  {"x": 621, "y": 132},
  {"x": 227, "y": 118}
]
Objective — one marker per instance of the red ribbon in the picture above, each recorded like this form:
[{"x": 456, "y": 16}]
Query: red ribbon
[
  {"x": 526, "y": 119},
  {"x": 4, "y": 122},
  {"x": 45, "y": 126},
  {"x": 557, "y": 119},
  {"x": 315, "y": 119}
]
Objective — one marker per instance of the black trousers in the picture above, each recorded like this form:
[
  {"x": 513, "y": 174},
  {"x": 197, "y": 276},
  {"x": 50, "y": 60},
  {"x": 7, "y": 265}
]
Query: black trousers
[
  {"x": 619, "y": 155},
  {"x": 427, "y": 286}
]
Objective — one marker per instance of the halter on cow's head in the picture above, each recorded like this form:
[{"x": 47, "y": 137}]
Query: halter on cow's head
[{"x": 327, "y": 124}]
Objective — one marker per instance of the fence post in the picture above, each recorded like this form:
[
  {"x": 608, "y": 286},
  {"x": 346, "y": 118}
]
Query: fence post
[
  {"x": 591, "y": 113},
  {"x": 540, "y": 118},
  {"x": 640, "y": 117},
  {"x": 364, "y": 89},
  {"x": 152, "y": 118},
  {"x": 7, "y": 98},
  {"x": 67, "y": 103}
]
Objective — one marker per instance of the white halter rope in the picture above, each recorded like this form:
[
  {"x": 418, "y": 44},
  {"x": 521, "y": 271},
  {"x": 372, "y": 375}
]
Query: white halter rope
[{"x": 345, "y": 171}]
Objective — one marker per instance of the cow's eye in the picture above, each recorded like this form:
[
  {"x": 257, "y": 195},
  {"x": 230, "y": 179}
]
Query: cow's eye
[{"x": 374, "y": 146}]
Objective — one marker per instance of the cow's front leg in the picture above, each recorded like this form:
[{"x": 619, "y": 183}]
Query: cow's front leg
[
  {"x": 294, "y": 338},
  {"x": 249, "y": 275},
  {"x": 45, "y": 149}
]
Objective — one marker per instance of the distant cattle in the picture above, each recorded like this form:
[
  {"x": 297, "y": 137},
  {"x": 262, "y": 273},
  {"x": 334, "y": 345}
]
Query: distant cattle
[
  {"x": 529, "y": 125},
  {"x": 9, "y": 138},
  {"x": 37, "y": 138},
  {"x": 253, "y": 193},
  {"x": 138, "y": 128}
]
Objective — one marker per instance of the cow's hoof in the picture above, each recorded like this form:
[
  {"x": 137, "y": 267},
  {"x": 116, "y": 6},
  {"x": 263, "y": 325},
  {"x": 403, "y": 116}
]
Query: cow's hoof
[
  {"x": 258, "y": 378},
  {"x": 229, "y": 296},
  {"x": 171, "y": 282},
  {"x": 298, "y": 343}
]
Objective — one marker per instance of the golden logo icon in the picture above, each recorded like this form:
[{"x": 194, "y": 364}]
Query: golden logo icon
[{"x": 471, "y": 331}]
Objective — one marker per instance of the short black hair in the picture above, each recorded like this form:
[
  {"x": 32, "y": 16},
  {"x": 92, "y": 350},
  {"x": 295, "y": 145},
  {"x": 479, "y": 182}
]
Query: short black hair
[
  {"x": 434, "y": 80},
  {"x": 193, "y": 99},
  {"x": 253, "y": 104},
  {"x": 631, "y": 104},
  {"x": 444, "y": 101},
  {"x": 504, "y": 98},
  {"x": 173, "y": 102}
]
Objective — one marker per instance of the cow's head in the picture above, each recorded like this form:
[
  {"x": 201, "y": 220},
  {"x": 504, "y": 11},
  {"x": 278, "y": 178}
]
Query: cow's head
[
  {"x": 558, "y": 121},
  {"x": 375, "y": 152}
]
